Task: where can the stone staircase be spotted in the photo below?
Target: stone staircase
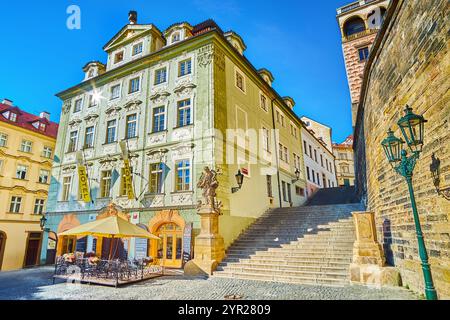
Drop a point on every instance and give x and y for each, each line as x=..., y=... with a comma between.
x=303, y=245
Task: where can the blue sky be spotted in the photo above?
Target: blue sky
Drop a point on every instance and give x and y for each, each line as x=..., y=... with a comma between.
x=299, y=41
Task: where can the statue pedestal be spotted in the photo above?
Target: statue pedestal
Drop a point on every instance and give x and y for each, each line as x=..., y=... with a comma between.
x=209, y=247
x=368, y=266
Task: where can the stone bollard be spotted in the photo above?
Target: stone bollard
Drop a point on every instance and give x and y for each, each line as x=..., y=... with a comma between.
x=368, y=265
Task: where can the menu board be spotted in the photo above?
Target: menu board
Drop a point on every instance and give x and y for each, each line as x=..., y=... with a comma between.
x=187, y=243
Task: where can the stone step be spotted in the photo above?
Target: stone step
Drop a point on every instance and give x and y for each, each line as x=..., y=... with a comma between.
x=277, y=267
x=331, y=262
x=292, y=273
x=287, y=254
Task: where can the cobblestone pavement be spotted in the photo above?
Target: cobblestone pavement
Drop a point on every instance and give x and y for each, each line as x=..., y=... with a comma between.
x=37, y=284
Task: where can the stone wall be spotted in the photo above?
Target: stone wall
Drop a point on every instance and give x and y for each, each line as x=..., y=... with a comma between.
x=410, y=65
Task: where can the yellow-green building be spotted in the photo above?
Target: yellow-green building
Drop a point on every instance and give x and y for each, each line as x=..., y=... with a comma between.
x=27, y=144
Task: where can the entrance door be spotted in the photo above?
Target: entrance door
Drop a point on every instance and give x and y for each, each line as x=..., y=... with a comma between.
x=51, y=248
x=2, y=247
x=170, y=247
x=33, y=248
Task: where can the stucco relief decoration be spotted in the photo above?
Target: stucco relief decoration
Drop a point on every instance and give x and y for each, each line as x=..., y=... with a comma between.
x=182, y=150
x=133, y=105
x=205, y=56
x=113, y=111
x=182, y=134
x=154, y=201
x=67, y=106
x=74, y=124
x=185, y=88
x=209, y=184
x=91, y=118
x=157, y=155
x=157, y=138
x=182, y=199
x=108, y=163
x=160, y=96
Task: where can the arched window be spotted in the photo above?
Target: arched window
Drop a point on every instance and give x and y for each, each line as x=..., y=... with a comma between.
x=353, y=26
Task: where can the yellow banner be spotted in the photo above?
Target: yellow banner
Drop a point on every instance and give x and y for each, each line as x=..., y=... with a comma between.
x=84, y=190
x=128, y=180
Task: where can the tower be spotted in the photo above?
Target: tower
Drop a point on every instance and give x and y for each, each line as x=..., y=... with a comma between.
x=359, y=23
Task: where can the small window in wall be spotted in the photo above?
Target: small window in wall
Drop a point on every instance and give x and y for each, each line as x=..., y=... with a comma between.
x=183, y=179
x=263, y=102
x=283, y=186
x=156, y=176
x=3, y=140
x=240, y=82
x=159, y=119
x=15, y=205
x=184, y=113
x=363, y=54
x=131, y=126
x=115, y=92
x=39, y=206
x=135, y=85
x=78, y=105
x=299, y=191
x=137, y=49
x=269, y=186
x=26, y=146
x=160, y=76
x=176, y=37
x=111, y=128
x=21, y=172
x=118, y=57
x=185, y=68
x=44, y=176
x=105, y=184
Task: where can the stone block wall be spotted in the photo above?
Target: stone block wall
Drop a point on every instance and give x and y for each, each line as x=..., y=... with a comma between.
x=410, y=66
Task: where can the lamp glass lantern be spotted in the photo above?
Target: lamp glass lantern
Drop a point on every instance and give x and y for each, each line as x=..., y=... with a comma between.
x=412, y=126
x=393, y=147
x=43, y=221
x=239, y=179
x=297, y=174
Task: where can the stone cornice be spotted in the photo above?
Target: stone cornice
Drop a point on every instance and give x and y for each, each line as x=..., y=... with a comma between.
x=25, y=158
x=25, y=190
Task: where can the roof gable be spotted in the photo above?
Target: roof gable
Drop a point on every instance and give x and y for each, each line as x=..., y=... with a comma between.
x=128, y=33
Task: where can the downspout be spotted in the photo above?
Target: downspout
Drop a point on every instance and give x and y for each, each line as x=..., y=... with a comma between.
x=276, y=153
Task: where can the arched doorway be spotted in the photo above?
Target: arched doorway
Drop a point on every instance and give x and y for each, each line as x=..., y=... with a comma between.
x=354, y=25
x=170, y=248
x=169, y=226
x=67, y=244
x=2, y=247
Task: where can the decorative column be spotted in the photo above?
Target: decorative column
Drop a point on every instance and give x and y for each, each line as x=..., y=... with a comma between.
x=209, y=248
x=368, y=266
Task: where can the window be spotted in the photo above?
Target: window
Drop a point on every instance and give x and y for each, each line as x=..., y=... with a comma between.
x=42, y=126
x=184, y=113
x=315, y=155
x=44, y=176
x=1, y=166
x=296, y=161
x=263, y=102
x=159, y=119
x=269, y=186
x=47, y=152
x=160, y=76
x=131, y=127
x=78, y=105
x=310, y=152
x=26, y=146
x=123, y=183
x=308, y=173
x=115, y=92
x=176, y=37
x=11, y=116
x=282, y=120
x=67, y=181
x=21, y=172
x=305, y=147
x=39, y=206
x=105, y=184
x=73, y=141
x=240, y=81
x=134, y=85
x=93, y=101
x=137, y=49
x=284, y=154
x=266, y=139
x=283, y=186
x=16, y=202
x=184, y=68
x=299, y=191
x=343, y=156
x=345, y=169
x=318, y=179
x=3, y=140
x=313, y=176
x=156, y=175
x=89, y=137
x=321, y=160
x=183, y=180
x=363, y=54
x=354, y=26
x=118, y=57
x=289, y=192
x=111, y=131
x=293, y=131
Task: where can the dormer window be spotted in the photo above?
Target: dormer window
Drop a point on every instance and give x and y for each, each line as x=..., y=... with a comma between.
x=118, y=57
x=137, y=49
x=42, y=126
x=11, y=116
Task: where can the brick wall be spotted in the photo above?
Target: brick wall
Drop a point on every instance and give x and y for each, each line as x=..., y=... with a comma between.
x=411, y=66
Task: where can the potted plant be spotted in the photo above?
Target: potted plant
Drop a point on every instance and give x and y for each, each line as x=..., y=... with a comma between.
x=69, y=257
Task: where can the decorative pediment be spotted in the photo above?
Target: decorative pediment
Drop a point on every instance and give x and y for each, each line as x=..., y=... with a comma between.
x=182, y=149
x=108, y=163
x=157, y=154
x=74, y=123
x=128, y=33
x=90, y=118
x=113, y=111
x=184, y=88
x=69, y=169
x=160, y=96
x=132, y=105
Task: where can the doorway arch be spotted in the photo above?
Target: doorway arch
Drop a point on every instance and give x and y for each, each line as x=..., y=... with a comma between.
x=169, y=226
x=2, y=247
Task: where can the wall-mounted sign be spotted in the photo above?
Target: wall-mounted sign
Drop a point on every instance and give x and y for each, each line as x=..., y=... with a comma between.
x=187, y=243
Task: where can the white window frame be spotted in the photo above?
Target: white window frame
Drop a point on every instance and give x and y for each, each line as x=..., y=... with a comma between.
x=3, y=140
x=183, y=169
x=244, y=80
x=139, y=79
x=103, y=180
x=21, y=172
x=115, y=55
x=16, y=202
x=140, y=43
x=189, y=59
x=75, y=145
x=26, y=146
x=159, y=114
x=39, y=206
x=115, y=131
x=136, y=128
x=45, y=152
x=46, y=174
x=93, y=137
x=65, y=197
x=111, y=96
x=155, y=73
x=75, y=110
x=266, y=107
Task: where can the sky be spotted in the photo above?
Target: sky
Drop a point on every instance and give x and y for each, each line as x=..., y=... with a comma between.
x=298, y=41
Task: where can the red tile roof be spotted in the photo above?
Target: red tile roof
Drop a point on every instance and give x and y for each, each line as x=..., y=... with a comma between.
x=25, y=120
x=346, y=144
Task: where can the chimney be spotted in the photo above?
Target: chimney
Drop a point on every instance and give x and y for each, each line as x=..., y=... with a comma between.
x=45, y=115
x=7, y=102
x=132, y=17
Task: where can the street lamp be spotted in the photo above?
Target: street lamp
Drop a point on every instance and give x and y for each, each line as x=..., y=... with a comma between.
x=240, y=181
x=412, y=127
x=297, y=175
x=43, y=221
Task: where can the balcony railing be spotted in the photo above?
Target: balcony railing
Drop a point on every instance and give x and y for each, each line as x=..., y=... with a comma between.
x=353, y=6
x=359, y=35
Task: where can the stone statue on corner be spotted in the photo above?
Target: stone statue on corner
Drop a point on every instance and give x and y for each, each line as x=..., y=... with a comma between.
x=208, y=183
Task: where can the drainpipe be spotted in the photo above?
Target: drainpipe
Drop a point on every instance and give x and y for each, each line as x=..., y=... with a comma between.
x=276, y=153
